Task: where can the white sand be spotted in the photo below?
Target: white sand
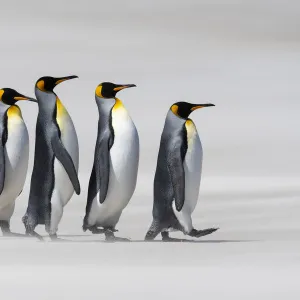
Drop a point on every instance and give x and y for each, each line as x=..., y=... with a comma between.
x=255, y=254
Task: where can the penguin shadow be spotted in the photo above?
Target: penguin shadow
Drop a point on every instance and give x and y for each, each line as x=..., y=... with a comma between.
x=195, y=241
x=70, y=238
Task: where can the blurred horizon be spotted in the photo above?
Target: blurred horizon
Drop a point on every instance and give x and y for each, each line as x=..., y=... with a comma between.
x=243, y=56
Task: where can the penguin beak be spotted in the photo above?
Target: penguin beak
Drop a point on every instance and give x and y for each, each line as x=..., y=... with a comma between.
x=201, y=106
x=22, y=97
x=62, y=79
x=120, y=87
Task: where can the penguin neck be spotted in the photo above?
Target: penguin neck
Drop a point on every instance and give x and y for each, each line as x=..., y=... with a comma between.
x=3, y=106
x=173, y=121
x=46, y=102
x=105, y=105
x=3, y=109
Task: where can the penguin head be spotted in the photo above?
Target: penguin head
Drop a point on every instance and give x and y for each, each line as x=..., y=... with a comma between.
x=10, y=97
x=48, y=83
x=109, y=90
x=184, y=109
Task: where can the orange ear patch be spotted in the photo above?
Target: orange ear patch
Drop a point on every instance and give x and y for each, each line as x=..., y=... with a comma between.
x=174, y=109
x=41, y=85
x=98, y=91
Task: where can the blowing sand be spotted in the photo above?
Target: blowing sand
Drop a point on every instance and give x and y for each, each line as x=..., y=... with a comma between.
x=254, y=254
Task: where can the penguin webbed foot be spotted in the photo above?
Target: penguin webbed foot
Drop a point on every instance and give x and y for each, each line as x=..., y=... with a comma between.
x=96, y=230
x=199, y=233
x=13, y=234
x=153, y=231
x=110, y=237
x=4, y=225
x=166, y=238
x=32, y=233
x=5, y=228
x=55, y=238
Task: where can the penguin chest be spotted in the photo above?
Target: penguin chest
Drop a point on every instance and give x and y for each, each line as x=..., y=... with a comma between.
x=16, y=152
x=192, y=167
x=69, y=139
x=124, y=158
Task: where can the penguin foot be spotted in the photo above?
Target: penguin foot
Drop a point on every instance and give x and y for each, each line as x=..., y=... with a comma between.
x=96, y=230
x=34, y=234
x=166, y=238
x=153, y=231
x=5, y=228
x=198, y=233
x=110, y=237
x=54, y=238
x=4, y=225
x=13, y=234
x=116, y=239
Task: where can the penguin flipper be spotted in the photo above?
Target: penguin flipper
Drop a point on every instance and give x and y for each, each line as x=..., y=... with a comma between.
x=176, y=171
x=3, y=140
x=102, y=167
x=2, y=167
x=64, y=157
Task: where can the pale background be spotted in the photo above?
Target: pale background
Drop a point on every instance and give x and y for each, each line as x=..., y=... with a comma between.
x=244, y=57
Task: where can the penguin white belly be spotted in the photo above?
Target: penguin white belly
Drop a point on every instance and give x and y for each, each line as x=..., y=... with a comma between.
x=16, y=162
x=192, y=169
x=124, y=159
x=63, y=185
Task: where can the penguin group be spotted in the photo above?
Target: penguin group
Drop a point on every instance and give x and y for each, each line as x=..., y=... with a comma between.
x=114, y=173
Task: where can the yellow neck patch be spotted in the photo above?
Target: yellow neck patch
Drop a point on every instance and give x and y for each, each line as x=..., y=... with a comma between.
x=41, y=85
x=98, y=91
x=189, y=123
x=191, y=131
x=60, y=112
x=118, y=105
x=14, y=111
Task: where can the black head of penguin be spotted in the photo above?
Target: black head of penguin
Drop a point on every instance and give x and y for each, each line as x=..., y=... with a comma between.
x=10, y=96
x=184, y=109
x=109, y=90
x=48, y=83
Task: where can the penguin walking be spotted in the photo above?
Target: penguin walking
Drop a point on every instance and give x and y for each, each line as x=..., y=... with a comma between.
x=113, y=177
x=54, y=177
x=14, y=152
x=178, y=174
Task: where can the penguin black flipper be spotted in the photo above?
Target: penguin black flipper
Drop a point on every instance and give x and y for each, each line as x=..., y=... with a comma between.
x=99, y=179
x=2, y=167
x=102, y=167
x=64, y=157
x=175, y=160
x=3, y=135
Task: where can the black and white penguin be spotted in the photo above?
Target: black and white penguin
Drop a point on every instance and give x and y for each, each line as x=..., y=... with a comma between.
x=114, y=173
x=178, y=174
x=54, y=177
x=14, y=152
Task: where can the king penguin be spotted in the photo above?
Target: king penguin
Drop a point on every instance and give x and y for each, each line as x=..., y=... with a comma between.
x=178, y=174
x=54, y=176
x=116, y=159
x=14, y=151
